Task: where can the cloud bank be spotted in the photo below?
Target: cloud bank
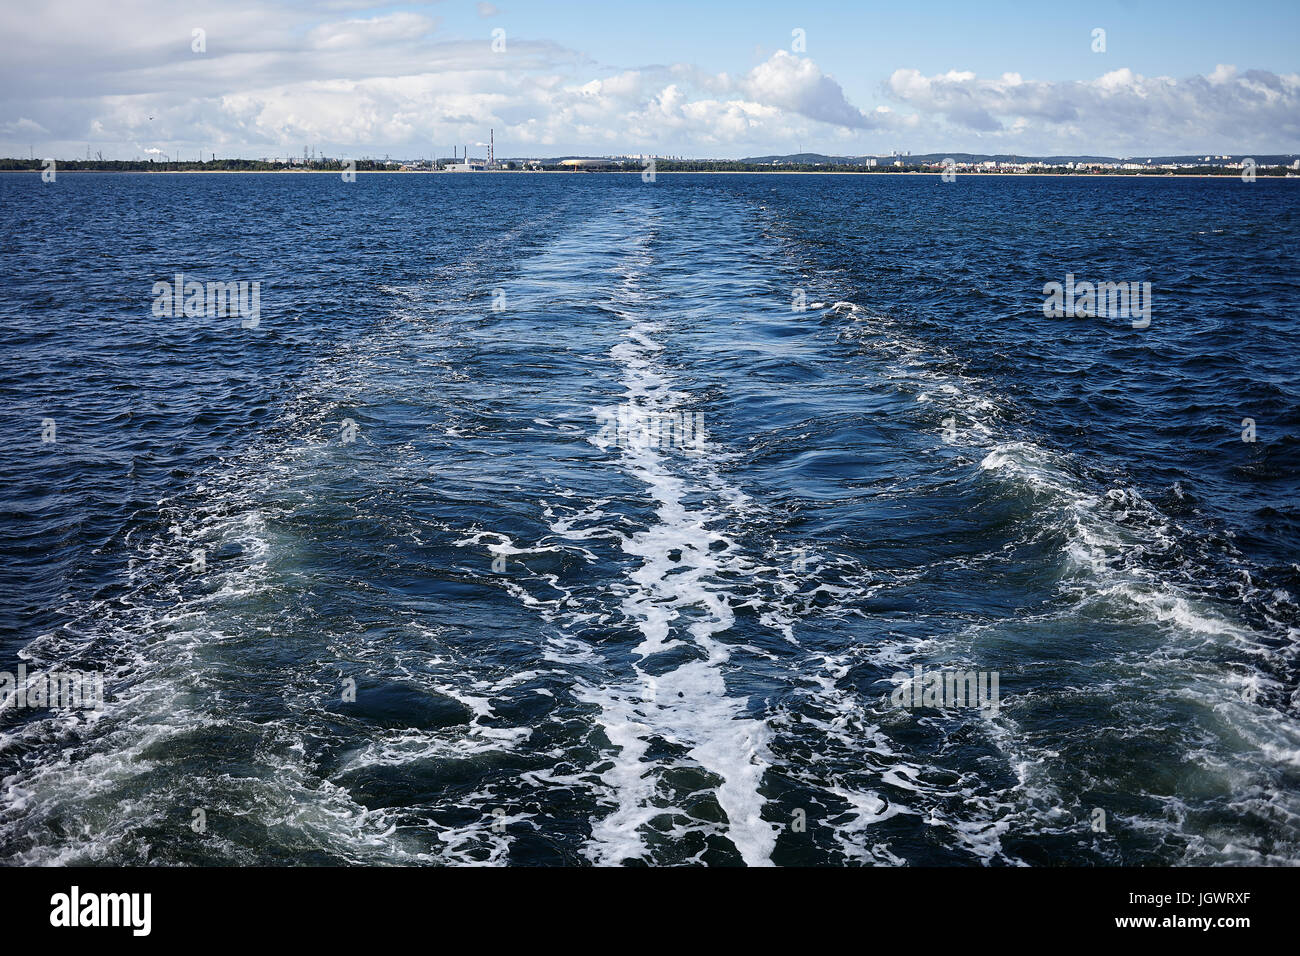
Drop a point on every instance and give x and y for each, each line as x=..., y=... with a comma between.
x=271, y=80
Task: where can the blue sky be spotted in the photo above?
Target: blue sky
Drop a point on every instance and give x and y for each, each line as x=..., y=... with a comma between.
x=669, y=77
x=858, y=41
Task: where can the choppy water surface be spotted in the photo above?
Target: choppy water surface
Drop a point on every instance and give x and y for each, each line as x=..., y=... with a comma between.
x=569, y=648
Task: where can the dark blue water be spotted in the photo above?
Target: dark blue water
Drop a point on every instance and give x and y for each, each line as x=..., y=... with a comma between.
x=572, y=649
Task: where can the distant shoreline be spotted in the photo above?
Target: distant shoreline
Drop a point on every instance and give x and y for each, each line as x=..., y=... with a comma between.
x=632, y=172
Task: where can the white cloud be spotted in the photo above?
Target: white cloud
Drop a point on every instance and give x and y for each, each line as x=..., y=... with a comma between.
x=1118, y=111
x=377, y=31
x=632, y=110
x=275, y=77
x=795, y=84
x=23, y=127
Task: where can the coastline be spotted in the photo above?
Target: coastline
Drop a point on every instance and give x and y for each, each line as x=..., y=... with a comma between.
x=632, y=172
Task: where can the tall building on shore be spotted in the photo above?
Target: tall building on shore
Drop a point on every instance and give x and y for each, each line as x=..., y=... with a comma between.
x=466, y=165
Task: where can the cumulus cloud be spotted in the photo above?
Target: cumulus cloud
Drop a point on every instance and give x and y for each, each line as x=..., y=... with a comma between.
x=372, y=78
x=461, y=92
x=1121, y=109
x=797, y=85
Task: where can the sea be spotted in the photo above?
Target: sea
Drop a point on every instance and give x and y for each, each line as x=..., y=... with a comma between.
x=609, y=519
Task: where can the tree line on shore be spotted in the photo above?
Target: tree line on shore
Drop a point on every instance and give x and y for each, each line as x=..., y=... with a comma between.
x=661, y=165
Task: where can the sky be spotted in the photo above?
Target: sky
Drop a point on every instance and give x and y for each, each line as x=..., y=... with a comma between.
x=707, y=78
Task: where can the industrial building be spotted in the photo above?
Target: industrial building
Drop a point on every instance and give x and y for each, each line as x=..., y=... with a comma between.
x=466, y=165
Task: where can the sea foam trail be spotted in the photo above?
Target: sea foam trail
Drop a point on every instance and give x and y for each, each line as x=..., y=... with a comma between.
x=1189, y=653
x=176, y=655
x=675, y=577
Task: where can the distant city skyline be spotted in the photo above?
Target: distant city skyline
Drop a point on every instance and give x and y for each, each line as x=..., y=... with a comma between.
x=721, y=81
